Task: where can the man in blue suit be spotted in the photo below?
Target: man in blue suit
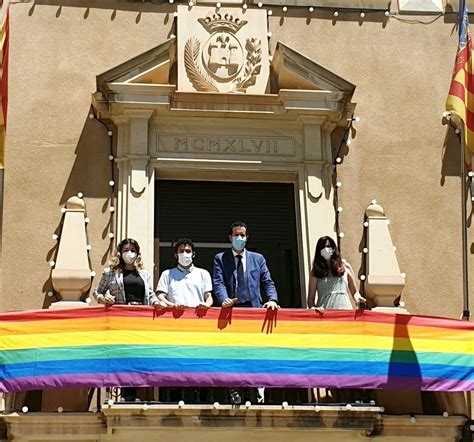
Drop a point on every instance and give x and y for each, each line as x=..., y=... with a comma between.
x=241, y=278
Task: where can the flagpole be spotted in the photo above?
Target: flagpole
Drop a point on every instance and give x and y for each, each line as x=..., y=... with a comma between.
x=465, y=309
x=465, y=312
x=462, y=127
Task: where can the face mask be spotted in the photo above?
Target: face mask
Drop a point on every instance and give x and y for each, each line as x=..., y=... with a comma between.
x=327, y=252
x=129, y=257
x=238, y=242
x=185, y=258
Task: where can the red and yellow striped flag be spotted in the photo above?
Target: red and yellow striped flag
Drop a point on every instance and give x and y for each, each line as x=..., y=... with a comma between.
x=4, y=36
x=461, y=94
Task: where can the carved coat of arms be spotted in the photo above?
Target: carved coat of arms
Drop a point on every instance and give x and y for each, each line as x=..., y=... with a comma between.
x=222, y=63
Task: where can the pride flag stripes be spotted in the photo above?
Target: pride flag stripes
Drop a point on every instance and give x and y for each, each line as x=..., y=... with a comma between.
x=133, y=346
x=461, y=94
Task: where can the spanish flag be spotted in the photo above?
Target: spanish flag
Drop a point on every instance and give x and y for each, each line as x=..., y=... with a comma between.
x=461, y=94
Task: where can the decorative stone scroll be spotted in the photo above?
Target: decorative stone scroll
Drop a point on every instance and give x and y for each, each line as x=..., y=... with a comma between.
x=222, y=50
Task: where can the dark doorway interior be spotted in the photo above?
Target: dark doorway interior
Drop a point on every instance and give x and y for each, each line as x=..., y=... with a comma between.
x=204, y=210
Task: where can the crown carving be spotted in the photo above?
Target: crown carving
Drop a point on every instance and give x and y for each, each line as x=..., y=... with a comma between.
x=222, y=21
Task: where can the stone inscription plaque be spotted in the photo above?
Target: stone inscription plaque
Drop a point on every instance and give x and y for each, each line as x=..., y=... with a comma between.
x=278, y=146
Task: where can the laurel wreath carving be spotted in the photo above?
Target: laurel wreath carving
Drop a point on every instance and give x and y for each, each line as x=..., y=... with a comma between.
x=252, y=66
x=203, y=82
x=199, y=80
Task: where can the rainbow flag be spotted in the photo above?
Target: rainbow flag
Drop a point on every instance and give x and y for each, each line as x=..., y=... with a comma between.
x=461, y=93
x=133, y=346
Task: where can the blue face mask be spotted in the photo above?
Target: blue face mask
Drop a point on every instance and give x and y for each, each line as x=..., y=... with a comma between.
x=238, y=242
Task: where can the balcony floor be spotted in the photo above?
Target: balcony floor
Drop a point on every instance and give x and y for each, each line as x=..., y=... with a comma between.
x=216, y=423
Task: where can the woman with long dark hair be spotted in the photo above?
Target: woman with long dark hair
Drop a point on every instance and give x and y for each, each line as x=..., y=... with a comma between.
x=332, y=278
x=126, y=281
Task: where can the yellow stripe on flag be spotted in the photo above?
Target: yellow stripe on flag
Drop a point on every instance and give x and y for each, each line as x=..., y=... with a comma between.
x=131, y=337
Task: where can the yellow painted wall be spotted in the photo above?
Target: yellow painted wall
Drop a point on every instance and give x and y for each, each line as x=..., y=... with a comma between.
x=402, y=72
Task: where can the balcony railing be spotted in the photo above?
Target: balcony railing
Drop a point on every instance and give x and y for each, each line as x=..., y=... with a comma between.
x=246, y=348
x=189, y=369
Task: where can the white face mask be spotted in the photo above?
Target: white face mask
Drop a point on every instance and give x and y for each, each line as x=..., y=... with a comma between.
x=129, y=257
x=327, y=252
x=185, y=258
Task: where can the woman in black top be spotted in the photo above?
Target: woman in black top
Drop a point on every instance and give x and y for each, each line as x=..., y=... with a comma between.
x=126, y=281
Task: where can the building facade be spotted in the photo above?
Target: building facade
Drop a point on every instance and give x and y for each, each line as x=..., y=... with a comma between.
x=175, y=120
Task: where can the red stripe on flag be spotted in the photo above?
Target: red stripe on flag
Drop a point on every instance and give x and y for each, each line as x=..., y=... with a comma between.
x=470, y=83
x=470, y=120
x=457, y=90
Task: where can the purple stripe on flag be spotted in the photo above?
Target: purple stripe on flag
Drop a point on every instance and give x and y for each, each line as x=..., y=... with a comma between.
x=232, y=380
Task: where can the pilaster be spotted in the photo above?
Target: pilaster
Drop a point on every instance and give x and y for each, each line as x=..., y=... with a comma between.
x=320, y=214
x=135, y=199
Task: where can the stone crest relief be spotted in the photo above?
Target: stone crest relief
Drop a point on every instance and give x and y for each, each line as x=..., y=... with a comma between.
x=222, y=51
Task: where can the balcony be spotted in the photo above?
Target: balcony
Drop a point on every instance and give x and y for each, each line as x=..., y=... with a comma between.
x=76, y=356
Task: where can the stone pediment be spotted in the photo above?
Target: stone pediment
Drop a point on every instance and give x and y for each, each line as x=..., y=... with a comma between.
x=152, y=67
x=292, y=70
x=221, y=52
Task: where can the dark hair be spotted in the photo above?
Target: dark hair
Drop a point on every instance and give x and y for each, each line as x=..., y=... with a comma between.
x=117, y=261
x=181, y=242
x=320, y=265
x=238, y=224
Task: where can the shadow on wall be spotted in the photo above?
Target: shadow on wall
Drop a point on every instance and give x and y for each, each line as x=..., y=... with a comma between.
x=347, y=15
x=90, y=175
x=121, y=5
x=404, y=371
x=451, y=166
x=91, y=171
x=370, y=304
x=140, y=8
x=451, y=156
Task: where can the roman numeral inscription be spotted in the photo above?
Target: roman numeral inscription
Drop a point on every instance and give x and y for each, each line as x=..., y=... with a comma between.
x=226, y=145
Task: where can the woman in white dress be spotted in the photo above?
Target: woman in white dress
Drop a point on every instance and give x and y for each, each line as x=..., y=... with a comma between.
x=332, y=279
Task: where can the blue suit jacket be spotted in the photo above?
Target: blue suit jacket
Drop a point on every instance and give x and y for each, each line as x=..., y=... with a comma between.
x=258, y=278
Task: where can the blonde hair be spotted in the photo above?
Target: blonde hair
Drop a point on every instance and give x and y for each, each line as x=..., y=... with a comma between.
x=117, y=263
